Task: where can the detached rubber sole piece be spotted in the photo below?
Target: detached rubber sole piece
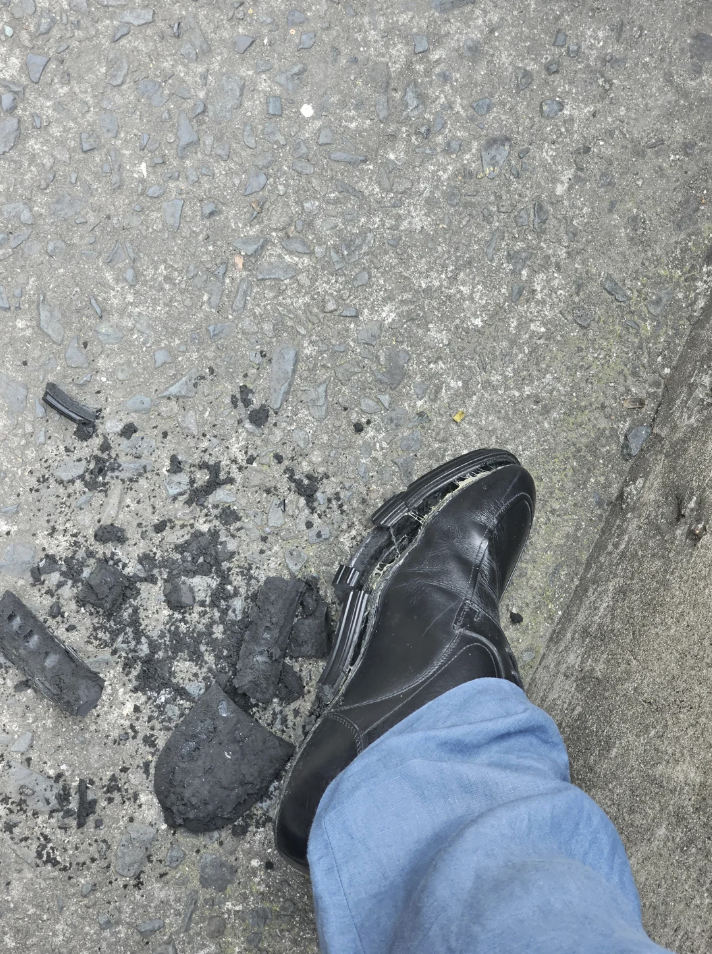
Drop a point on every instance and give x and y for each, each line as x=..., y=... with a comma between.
x=397, y=523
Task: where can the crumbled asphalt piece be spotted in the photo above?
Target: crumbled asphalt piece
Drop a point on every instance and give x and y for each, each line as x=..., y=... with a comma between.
x=220, y=744
x=9, y=134
x=284, y=364
x=174, y=856
x=265, y=641
x=290, y=686
x=53, y=669
x=246, y=396
x=482, y=106
x=243, y=43
x=617, y=291
x=105, y=588
x=216, y=874
x=551, y=107
x=178, y=594
x=256, y=183
x=494, y=152
x=85, y=806
x=35, y=66
x=522, y=78
x=634, y=439
x=249, y=246
x=310, y=635
x=133, y=849
x=108, y=533
x=128, y=430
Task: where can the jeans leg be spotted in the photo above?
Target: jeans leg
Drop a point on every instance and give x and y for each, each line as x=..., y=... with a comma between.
x=459, y=832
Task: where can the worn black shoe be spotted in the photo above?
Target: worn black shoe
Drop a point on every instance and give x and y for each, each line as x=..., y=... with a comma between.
x=420, y=616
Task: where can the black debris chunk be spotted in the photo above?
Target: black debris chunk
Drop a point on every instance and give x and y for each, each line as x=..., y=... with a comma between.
x=84, y=432
x=179, y=594
x=110, y=533
x=55, y=398
x=310, y=633
x=290, y=686
x=265, y=642
x=105, y=587
x=128, y=430
x=515, y=618
x=200, y=494
x=217, y=763
x=54, y=669
x=246, y=396
x=85, y=806
x=259, y=416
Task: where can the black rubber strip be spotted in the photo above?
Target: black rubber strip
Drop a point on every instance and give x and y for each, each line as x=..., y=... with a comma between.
x=54, y=669
x=55, y=398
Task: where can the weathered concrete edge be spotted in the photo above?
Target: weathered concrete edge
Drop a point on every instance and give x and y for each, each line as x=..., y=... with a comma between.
x=548, y=687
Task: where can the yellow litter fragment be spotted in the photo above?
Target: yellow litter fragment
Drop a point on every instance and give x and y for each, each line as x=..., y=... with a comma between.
x=458, y=416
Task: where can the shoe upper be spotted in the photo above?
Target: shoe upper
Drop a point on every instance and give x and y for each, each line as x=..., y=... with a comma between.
x=433, y=624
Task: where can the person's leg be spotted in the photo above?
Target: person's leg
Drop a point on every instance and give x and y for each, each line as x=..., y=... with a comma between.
x=458, y=831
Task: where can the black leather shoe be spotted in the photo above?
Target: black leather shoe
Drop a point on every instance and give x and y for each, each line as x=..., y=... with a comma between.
x=421, y=616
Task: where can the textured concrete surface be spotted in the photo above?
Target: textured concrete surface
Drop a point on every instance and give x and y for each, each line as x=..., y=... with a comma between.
x=627, y=672
x=298, y=258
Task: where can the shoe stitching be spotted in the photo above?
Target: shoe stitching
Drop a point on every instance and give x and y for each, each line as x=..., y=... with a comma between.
x=484, y=643
x=351, y=726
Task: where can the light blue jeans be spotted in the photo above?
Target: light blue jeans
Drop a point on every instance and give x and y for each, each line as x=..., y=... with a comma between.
x=459, y=832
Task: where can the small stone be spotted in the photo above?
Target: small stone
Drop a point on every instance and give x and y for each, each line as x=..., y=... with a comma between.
x=350, y=157
x=133, y=848
x=316, y=401
x=573, y=50
x=582, y=317
x=174, y=856
x=121, y=31
x=325, y=137
x=172, y=211
x=370, y=333
x=284, y=363
x=522, y=78
x=208, y=210
x=35, y=66
x=88, y=142
x=303, y=167
x=516, y=291
x=495, y=152
x=216, y=926
x=227, y=97
x=290, y=79
x=412, y=100
x=255, y=183
x=161, y=357
x=187, y=136
x=482, y=106
x=420, y=43
x=14, y=393
x=178, y=594
x=393, y=373
x=552, y=67
x=147, y=928
x=87, y=888
x=296, y=245
x=361, y=278
x=541, y=216
x=75, y=356
x=243, y=43
x=634, y=440
x=8, y=101
x=249, y=246
x=275, y=271
x=9, y=134
x=657, y=304
x=495, y=239
x=109, y=125
x=137, y=17
x=617, y=291
x=139, y=404
x=215, y=873
x=117, y=68
x=551, y=108
x=560, y=38
x=307, y=40
x=274, y=105
x=23, y=743
x=185, y=387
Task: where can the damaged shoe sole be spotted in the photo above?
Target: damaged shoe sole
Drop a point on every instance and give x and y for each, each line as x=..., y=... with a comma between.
x=397, y=523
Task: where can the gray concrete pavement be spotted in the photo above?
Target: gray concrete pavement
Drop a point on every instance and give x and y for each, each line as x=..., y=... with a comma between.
x=626, y=673
x=464, y=208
